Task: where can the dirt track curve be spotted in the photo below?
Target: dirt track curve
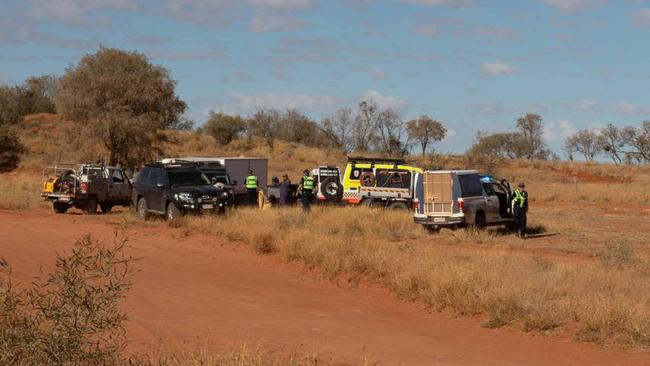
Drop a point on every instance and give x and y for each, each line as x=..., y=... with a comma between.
x=199, y=290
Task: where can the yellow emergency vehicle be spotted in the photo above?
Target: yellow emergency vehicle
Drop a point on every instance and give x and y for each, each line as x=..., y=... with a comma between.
x=379, y=182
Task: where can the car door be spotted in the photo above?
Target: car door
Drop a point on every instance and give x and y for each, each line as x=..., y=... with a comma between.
x=118, y=186
x=491, y=203
x=473, y=196
x=155, y=189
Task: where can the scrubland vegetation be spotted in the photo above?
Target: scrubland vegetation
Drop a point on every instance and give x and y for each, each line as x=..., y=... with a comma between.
x=585, y=271
x=605, y=297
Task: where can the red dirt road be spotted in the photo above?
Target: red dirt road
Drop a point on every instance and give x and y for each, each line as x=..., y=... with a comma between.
x=199, y=290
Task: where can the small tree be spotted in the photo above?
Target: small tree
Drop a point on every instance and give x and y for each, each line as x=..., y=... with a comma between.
x=611, y=142
x=224, y=128
x=10, y=149
x=295, y=126
x=265, y=123
x=531, y=145
x=364, y=128
x=638, y=139
x=338, y=129
x=425, y=130
x=584, y=142
x=33, y=96
x=123, y=98
x=390, y=128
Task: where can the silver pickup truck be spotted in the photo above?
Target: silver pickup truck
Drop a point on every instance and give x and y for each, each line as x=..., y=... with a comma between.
x=458, y=198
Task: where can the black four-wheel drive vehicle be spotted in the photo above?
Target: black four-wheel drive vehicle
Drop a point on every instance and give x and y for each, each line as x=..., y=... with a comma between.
x=176, y=189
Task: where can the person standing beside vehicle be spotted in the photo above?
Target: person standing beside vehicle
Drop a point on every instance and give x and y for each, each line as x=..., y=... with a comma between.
x=307, y=189
x=520, y=209
x=284, y=190
x=251, y=188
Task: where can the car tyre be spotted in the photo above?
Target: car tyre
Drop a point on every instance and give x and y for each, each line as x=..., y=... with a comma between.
x=331, y=189
x=172, y=212
x=142, y=208
x=479, y=221
x=105, y=208
x=60, y=207
x=90, y=207
x=433, y=229
x=398, y=205
x=367, y=179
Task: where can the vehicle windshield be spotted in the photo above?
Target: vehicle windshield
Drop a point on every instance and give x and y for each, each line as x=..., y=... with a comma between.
x=221, y=178
x=188, y=178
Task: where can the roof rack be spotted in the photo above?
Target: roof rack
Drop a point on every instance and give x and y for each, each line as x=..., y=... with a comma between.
x=361, y=159
x=171, y=163
x=372, y=161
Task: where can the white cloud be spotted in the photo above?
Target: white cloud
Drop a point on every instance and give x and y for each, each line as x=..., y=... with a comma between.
x=587, y=105
x=642, y=17
x=247, y=103
x=209, y=13
x=383, y=101
x=282, y=3
x=631, y=109
x=374, y=72
x=276, y=23
x=428, y=30
x=211, y=53
x=451, y=3
x=558, y=130
x=75, y=11
x=571, y=6
x=497, y=68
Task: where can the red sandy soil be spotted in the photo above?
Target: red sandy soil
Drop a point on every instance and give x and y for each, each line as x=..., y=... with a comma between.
x=195, y=291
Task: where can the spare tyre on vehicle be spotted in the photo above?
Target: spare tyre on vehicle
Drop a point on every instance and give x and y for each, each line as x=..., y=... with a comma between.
x=367, y=179
x=331, y=189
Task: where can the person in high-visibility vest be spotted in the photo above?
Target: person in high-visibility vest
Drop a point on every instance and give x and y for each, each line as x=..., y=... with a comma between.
x=251, y=188
x=519, y=209
x=307, y=188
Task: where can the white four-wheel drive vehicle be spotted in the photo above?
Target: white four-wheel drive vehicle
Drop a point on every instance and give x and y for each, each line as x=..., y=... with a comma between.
x=456, y=198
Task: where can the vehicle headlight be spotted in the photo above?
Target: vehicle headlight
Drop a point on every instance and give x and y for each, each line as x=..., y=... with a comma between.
x=183, y=196
x=224, y=194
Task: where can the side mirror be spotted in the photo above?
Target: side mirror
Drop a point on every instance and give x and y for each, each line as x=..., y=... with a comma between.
x=160, y=185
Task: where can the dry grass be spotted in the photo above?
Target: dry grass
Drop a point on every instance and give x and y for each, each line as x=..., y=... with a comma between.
x=590, y=273
x=246, y=355
x=606, y=300
x=20, y=190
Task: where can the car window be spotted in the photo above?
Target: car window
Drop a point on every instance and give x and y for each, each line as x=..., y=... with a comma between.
x=488, y=189
x=470, y=185
x=498, y=188
x=393, y=178
x=116, y=176
x=154, y=177
x=356, y=173
x=188, y=178
x=142, y=176
x=220, y=177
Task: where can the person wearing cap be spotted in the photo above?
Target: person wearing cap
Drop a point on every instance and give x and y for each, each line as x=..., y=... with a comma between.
x=519, y=209
x=284, y=190
x=307, y=190
x=251, y=187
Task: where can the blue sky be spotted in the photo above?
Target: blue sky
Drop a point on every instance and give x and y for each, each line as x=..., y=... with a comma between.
x=474, y=65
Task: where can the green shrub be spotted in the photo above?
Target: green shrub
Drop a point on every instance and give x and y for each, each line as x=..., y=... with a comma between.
x=10, y=149
x=70, y=316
